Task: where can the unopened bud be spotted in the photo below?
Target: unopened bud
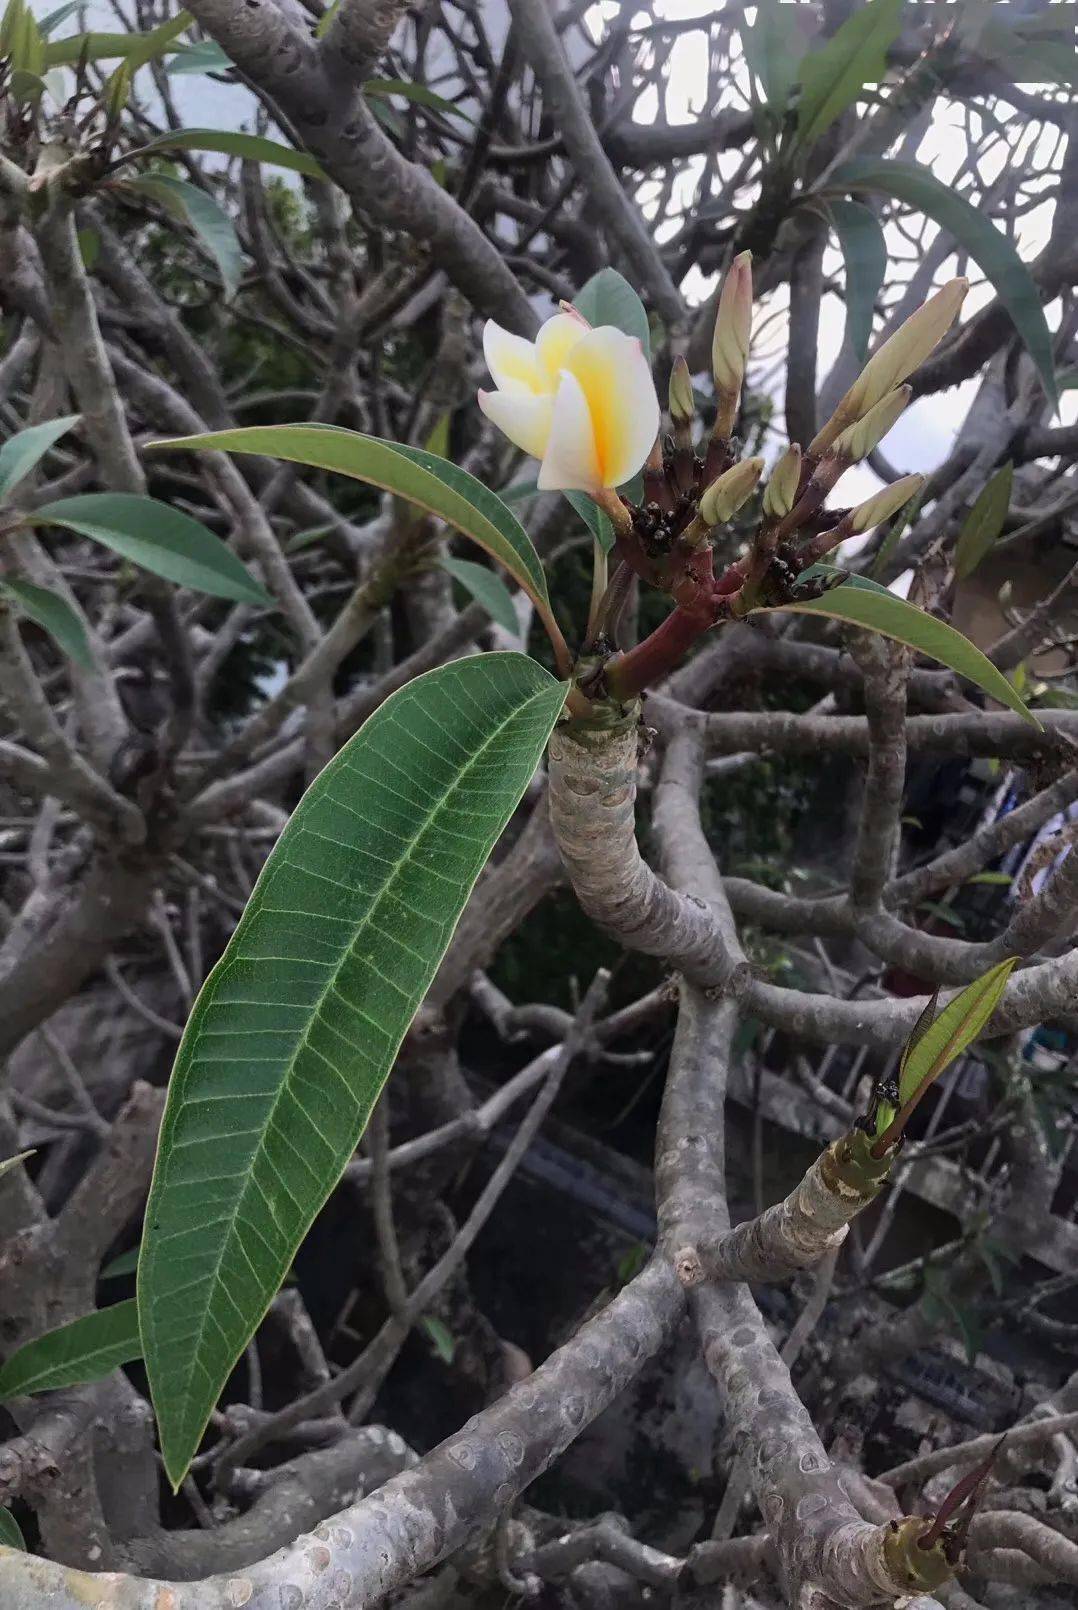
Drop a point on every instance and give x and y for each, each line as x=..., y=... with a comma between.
x=876, y=509
x=725, y=496
x=682, y=401
x=860, y=438
x=899, y=356
x=730, y=344
x=780, y=492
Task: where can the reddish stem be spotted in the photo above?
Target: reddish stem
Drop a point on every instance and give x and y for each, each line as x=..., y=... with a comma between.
x=657, y=655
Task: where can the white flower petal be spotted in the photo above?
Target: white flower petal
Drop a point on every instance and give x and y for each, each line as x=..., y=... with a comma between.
x=513, y=362
x=523, y=418
x=556, y=340
x=615, y=377
x=570, y=463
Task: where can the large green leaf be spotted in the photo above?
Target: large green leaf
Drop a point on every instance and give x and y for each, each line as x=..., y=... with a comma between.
x=409, y=472
x=206, y=217
x=882, y=611
x=907, y=181
x=488, y=589
x=10, y=1533
x=54, y=615
x=84, y=1350
x=298, y=1025
x=865, y=253
x=984, y=522
x=159, y=538
x=774, y=47
x=608, y=298
x=27, y=447
x=251, y=147
x=833, y=77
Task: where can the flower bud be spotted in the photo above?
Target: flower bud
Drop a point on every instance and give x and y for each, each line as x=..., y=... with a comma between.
x=860, y=438
x=899, y=356
x=876, y=509
x=682, y=401
x=730, y=344
x=725, y=496
x=780, y=493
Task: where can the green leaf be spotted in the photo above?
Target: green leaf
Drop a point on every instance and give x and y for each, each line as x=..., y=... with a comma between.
x=774, y=47
x=139, y=47
x=84, y=1350
x=297, y=1027
x=984, y=522
x=441, y=1337
x=125, y=1264
x=901, y=524
x=410, y=472
x=996, y=879
x=956, y=1028
x=487, y=589
x=89, y=245
x=8, y=1163
x=864, y=251
x=207, y=56
x=229, y=142
x=325, y=20
x=206, y=217
x=54, y=615
x=313, y=534
x=833, y=77
x=10, y=1534
x=597, y=522
x=159, y=538
x=28, y=447
x=50, y=23
x=519, y=492
x=906, y=181
x=419, y=94
x=608, y=298
x=881, y=611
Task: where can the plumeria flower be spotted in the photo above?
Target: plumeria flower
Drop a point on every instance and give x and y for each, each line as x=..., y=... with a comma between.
x=580, y=400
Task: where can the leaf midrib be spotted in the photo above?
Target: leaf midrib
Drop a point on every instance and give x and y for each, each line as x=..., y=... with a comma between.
x=215, y=1277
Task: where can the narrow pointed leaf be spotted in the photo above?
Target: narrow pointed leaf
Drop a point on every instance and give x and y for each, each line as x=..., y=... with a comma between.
x=297, y=1027
x=864, y=251
x=54, y=615
x=158, y=537
x=487, y=589
x=596, y=520
x=410, y=472
x=207, y=56
x=52, y=21
x=418, y=94
x=608, y=298
x=10, y=1533
x=106, y=46
x=228, y=142
x=8, y=1163
x=206, y=217
x=884, y=612
x=907, y=181
x=85, y=1350
x=984, y=522
x=833, y=77
x=954, y=1030
x=28, y=447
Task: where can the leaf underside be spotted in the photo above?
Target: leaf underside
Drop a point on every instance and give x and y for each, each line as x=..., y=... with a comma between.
x=296, y=1029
